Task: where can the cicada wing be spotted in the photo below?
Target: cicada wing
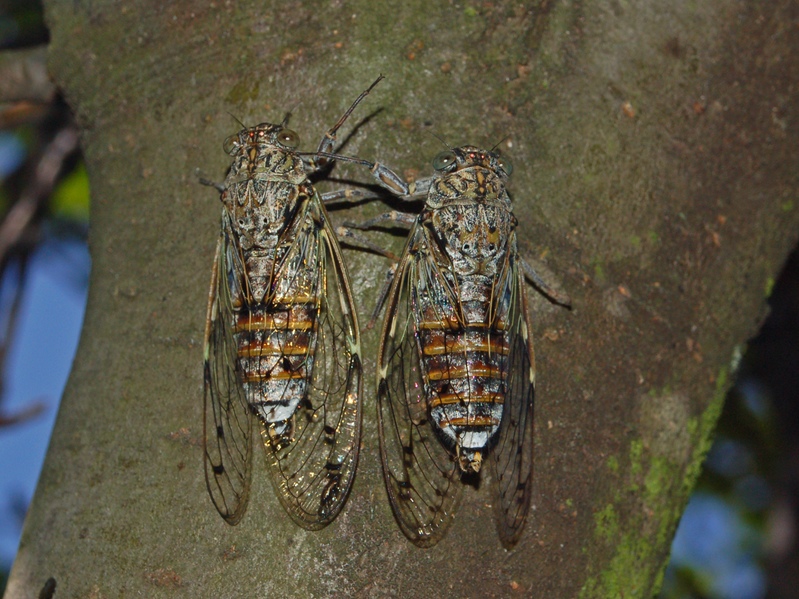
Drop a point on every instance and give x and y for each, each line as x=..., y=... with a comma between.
x=228, y=420
x=512, y=458
x=422, y=477
x=313, y=472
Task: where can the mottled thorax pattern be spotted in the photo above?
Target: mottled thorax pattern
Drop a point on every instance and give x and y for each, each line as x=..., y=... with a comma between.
x=262, y=188
x=263, y=191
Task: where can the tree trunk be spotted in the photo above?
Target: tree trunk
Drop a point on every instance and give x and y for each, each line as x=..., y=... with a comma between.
x=655, y=154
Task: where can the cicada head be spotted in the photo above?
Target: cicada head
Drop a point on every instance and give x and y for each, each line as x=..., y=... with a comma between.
x=266, y=134
x=451, y=161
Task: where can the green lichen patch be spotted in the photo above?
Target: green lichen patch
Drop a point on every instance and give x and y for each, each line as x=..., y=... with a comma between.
x=637, y=522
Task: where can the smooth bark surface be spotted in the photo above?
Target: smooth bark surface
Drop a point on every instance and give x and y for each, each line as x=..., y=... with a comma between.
x=655, y=154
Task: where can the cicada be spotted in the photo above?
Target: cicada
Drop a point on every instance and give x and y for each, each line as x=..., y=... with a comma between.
x=456, y=367
x=282, y=347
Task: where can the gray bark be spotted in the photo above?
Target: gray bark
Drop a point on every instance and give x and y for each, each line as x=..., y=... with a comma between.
x=655, y=154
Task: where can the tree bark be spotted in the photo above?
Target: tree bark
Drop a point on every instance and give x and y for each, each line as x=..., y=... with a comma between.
x=655, y=154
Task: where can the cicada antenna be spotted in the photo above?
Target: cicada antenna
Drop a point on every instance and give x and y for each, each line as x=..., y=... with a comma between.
x=496, y=145
x=445, y=144
x=286, y=118
x=235, y=118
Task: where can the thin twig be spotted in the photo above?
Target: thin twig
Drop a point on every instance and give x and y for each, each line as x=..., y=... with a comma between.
x=22, y=212
x=24, y=76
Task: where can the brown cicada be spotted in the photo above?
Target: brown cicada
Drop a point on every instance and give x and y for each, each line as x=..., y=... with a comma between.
x=282, y=348
x=456, y=368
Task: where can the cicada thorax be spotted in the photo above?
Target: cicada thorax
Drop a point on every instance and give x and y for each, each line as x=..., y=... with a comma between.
x=263, y=192
x=462, y=329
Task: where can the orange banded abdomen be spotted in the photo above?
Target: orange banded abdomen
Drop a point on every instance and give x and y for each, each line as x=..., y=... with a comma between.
x=276, y=357
x=465, y=373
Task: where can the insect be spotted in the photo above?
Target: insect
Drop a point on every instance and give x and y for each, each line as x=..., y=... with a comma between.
x=456, y=367
x=282, y=347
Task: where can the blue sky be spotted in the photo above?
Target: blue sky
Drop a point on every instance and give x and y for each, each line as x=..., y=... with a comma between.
x=37, y=367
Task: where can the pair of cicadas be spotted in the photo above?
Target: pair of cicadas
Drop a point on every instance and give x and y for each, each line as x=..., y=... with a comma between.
x=456, y=368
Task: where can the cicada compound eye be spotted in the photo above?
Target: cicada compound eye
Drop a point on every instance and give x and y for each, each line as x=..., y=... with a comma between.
x=505, y=164
x=230, y=144
x=288, y=138
x=445, y=161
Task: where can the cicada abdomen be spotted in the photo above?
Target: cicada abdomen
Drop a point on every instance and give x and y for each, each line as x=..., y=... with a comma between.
x=456, y=368
x=282, y=346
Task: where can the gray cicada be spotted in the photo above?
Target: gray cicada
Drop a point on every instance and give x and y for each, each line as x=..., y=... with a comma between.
x=282, y=348
x=456, y=368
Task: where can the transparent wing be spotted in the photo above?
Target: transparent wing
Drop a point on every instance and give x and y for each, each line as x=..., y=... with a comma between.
x=511, y=460
x=228, y=420
x=421, y=475
x=313, y=473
